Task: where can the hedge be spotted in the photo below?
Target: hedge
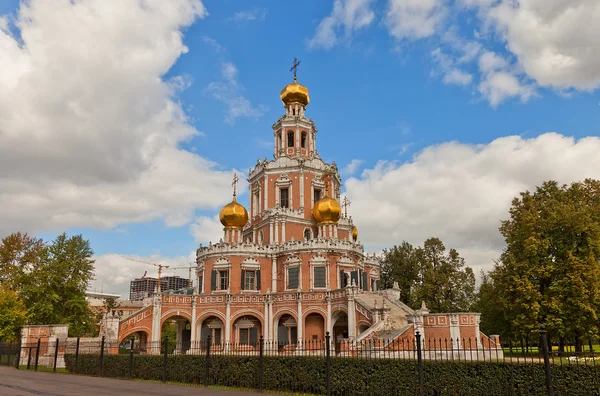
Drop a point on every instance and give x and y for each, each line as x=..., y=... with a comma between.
x=351, y=376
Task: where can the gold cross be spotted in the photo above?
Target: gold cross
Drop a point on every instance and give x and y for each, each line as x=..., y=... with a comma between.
x=294, y=67
x=234, y=183
x=345, y=203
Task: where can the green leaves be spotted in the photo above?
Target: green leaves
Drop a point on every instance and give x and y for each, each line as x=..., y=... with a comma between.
x=13, y=315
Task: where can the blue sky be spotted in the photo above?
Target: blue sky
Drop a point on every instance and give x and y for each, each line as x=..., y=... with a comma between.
x=392, y=84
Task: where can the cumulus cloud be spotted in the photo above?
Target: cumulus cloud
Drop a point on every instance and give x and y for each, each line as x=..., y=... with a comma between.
x=206, y=229
x=499, y=81
x=90, y=131
x=461, y=192
x=227, y=90
x=347, y=17
x=555, y=41
x=352, y=167
x=414, y=19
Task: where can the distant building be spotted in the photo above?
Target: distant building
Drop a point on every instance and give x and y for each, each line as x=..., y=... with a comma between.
x=145, y=287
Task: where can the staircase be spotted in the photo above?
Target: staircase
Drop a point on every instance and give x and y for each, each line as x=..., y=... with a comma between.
x=390, y=313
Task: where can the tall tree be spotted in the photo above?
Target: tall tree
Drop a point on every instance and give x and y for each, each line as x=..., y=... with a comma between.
x=401, y=264
x=19, y=255
x=550, y=270
x=13, y=314
x=445, y=283
x=487, y=302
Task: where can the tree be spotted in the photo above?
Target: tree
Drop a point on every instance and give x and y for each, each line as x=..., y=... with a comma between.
x=19, y=255
x=487, y=302
x=13, y=315
x=400, y=264
x=444, y=282
x=550, y=271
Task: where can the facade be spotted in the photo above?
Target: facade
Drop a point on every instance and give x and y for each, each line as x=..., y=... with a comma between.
x=289, y=268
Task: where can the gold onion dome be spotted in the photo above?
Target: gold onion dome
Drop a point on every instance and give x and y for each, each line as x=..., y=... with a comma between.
x=354, y=233
x=233, y=215
x=295, y=93
x=327, y=211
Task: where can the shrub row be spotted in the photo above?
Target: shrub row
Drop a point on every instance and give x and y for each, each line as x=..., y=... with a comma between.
x=351, y=376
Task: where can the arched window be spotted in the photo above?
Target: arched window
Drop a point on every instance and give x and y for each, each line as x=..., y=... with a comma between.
x=290, y=139
x=303, y=140
x=307, y=233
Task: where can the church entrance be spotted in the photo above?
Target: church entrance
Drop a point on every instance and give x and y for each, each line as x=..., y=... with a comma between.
x=287, y=333
x=340, y=331
x=213, y=327
x=179, y=332
x=247, y=330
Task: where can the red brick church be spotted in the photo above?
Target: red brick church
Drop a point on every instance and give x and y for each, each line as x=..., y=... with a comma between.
x=290, y=268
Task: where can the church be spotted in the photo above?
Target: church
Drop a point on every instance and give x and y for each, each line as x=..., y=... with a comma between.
x=290, y=267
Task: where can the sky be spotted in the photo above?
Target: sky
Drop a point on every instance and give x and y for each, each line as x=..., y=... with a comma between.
x=124, y=121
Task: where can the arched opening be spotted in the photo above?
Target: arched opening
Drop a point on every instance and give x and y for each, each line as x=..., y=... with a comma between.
x=314, y=331
x=246, y=332
x=137, y=341
x=340, y=331
x=213, y=327
x=303, y=140
x=362, y=328
x=179, y=333
x=287, y=333
x=290, y=136
x=307, y=233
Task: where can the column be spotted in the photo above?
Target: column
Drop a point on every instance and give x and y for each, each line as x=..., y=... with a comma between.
x=266, y=197
x=454, y=331
x=193, y=333
x=156, y=313
x=179, y=326
x=227, y=324
x=276, y=232
x=283, y=231
x=274, y=274
x=297, y=137
x=329, y=327
x=276, y=145
x=300, y=321
x=301, y=188
x=271, y=325
x=335, y=231
x=271, y=233
x=351, y=315
x=266, y=329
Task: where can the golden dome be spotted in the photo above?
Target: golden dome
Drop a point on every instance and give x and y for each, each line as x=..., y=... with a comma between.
x=354, y=233
x=327, y=211
x=233, y=215
x=294, y=93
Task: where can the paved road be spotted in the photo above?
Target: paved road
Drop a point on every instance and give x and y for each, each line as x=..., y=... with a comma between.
x=26, y=383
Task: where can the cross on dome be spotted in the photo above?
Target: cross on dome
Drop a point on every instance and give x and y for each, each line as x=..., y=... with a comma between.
x=345, y=203
x=234, y=182
x=294, y=67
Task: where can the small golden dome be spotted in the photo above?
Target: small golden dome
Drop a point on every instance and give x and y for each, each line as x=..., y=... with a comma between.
x=295, y=93
x=233, y=215
x=354, y=233
x=327, y=211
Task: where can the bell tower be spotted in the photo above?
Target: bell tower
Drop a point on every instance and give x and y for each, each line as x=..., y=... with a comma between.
x=294, y=134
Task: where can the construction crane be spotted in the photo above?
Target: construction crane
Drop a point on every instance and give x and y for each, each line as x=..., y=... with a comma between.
x=160, y=268
x=189, y=274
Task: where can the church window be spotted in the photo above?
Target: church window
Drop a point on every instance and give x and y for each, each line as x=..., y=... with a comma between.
x=307, y=233
x=290, y=139
x=250, y=280
x=303, y=140
x=200, y=284
x=319, y=277
x=293, y=274
x=223, y=280
x=317, y=195
x=283, y=198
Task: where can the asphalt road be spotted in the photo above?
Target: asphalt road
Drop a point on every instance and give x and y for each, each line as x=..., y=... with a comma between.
x=26, y=383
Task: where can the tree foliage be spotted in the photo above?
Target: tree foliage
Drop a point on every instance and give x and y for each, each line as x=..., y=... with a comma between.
x=50, y=278
x=487, y=302
x=13, y=315
x=430, y=274
x=550, y=271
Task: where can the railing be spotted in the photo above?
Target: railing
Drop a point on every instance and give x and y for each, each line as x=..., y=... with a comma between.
x=478, y=365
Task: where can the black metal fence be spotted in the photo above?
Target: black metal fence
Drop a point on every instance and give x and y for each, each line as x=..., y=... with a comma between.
x=313, y=365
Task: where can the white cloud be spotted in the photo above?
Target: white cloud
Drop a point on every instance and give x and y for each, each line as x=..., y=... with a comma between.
x=457, y=77
x=114, y=272
x=213, y=43
x=352, y=167
x=499, y=86
x=461, y=192
x=414, y=19
x=347, y=16
x=207, y=229
x=555, y=41
x=491, y=62
x=251, y=15
x=90, y=133
x=227, y=90
x=447, y=67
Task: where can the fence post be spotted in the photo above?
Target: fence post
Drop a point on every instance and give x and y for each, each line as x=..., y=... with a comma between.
x=328, y=363
x=18, y=359
x=420, y=364
x=131, y=358
x=37, y=354
x=29, y=358
x=207, y=368
x=101, y=355
x=56, y=354
x=77, y=356
x=165, y=359
x=261, y=351
x=544, y=341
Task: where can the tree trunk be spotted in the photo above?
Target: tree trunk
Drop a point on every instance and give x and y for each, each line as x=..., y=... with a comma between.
x=561, y=344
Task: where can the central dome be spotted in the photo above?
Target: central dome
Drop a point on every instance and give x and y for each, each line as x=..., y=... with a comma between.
x=295, y=93
x=233, y=215
x=327, y=211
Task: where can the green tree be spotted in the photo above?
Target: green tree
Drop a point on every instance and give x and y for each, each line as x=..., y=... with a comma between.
x=19, y=255
x=401, y=264
x=13, y=315
x=550, y=271
x=444, y=282
x=487, y=302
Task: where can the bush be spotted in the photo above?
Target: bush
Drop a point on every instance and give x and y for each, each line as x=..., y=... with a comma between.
x=350, y=376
